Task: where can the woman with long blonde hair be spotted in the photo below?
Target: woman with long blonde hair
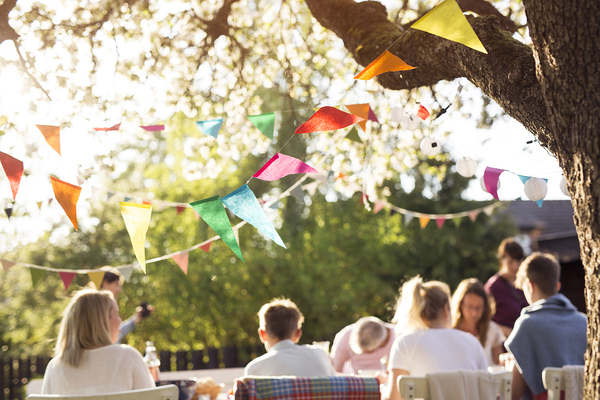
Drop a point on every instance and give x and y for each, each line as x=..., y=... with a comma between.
x=428, y=343
x=472, y=312
x=85, y=359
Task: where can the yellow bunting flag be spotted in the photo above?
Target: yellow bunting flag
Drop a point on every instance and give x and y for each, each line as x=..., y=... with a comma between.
x=137, y=220
x=424, y=221
x=97, y=277
x=360, y=110
x=386, y=62
x=52, y=135
x=67, y=196
x=447, y=20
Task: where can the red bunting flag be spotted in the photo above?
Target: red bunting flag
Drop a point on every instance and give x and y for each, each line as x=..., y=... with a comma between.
x=14, y=171
x=206, y=247
x=440, y=222
x=179, y=209
x=327, y=119
x=182, y=260
x=423, y=113
x=111, y=128
x=67, y=278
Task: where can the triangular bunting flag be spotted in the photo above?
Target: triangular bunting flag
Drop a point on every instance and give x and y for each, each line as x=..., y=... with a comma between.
x=298, y=193
x=423, y=113
x=378, y=206
x=264, y=123
x=206, y=247
x=182, y=260
x=327, y=119
x=372, y=116
x=52, y=135
x=153, y=128
x=8, y=212
x=424, y=221
x=36, y=275
x=473, y=215
x=210, y=127
x=7, y=264
x=490, y=178
x=39, y=204
x=360, y=110
x=179, y=209
x=213, y=213
x=112, y=128
x=539, y=203
x=524, y=179
x=97, y=277
x=137, y=220
x=67, y=278
x=146, y=202
x=386, y=62
x=281, y=165
x=440, y=222
x=353, y=135
x=243, y=203
x=13, y=169
x=489, y=211
x=311, y=188
x=457, y=221
x=126, y=272
x=447, y=20
x=408, y=219
x=67, y=196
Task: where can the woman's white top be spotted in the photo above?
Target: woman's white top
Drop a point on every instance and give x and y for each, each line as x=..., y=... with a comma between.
x=495, y=337
x=425, y=351
x=108, y=369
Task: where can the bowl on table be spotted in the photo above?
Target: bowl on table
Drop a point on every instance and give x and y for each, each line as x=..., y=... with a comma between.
x=187, y=387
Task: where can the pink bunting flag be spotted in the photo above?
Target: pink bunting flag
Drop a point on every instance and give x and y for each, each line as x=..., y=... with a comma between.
x=490, y=178
x=111, y=128
x=6, y=264
x=153, y=128
x=14, y=171
x=327, y=119
x=473, y=215
x=440, y=222
x=206, y=247
x=379, y=205
x=281, y=165
x=182, y=260
x=67, y=278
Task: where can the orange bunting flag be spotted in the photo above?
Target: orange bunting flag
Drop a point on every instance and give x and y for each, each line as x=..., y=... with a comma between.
x=112, y=128
x=424, y=221
x=423, y=113
x=360, y=110
x=447, y=20
x=386, y=62
x=327, y=119
x=97, y=277
x=67, y=278
x=206, y=247
x=182, y=260
x=67, y=196
x=52, y=135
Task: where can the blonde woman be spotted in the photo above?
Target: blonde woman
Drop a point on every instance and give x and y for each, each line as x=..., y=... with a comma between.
x=472, y=312
x=428, y=343
x=85, y=359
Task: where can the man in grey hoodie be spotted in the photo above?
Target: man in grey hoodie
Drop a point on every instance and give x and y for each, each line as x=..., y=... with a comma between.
x=549, y=333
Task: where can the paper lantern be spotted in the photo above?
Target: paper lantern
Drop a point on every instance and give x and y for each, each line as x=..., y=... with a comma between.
x=482, y=184
x=466, y=167
x=563, y=186
x=536, y=189
x=397, y=114
x=430, y=146
x=411, y=122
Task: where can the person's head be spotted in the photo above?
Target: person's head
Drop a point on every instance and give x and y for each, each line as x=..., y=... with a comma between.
x=90, y=320
x=368, y=334
x=112, y=281
x=510, y=254
x=423, y=305
x=539, y=276
x=472, y=305
x=280, y=320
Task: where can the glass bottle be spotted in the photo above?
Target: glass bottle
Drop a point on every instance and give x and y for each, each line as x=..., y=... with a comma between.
x=151, y=360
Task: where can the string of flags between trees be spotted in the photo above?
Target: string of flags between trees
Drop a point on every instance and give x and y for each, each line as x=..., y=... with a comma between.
x=445, y=20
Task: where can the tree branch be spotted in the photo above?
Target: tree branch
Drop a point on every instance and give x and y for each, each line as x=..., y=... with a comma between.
x=506, y=74
x=6, y=31
x=26, y=70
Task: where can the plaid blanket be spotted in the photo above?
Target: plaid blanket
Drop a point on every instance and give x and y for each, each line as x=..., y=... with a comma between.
x=317, y=388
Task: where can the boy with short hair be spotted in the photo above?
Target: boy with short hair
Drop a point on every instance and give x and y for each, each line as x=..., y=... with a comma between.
x=549, y=333
x=280, y=331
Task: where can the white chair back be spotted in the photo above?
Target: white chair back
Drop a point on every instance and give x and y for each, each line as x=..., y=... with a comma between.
x=416, y=387
x=167, y=392
x=569, y=379
x=553, y=382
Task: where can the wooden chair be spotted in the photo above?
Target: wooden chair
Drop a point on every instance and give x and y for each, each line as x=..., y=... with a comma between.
x=553, y=382
x=416, y=387
x=167, y=392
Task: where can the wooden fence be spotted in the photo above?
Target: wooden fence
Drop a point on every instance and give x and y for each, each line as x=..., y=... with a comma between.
x=15, y=373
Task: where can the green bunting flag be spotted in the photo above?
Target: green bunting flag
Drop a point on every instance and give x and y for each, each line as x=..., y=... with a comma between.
x=36, y=275
x=213, y=213
x=264, y=123
x=353, y=135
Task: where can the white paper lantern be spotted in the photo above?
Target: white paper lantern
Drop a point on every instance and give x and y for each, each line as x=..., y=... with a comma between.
x=466, y=167
x=536, y=189
x=430, y=146
x=410, y=122
x=482, y=184
x=397, y=114
x=563, y=186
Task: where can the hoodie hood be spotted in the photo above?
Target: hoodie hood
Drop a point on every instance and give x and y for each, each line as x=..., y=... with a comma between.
x=556, y=302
